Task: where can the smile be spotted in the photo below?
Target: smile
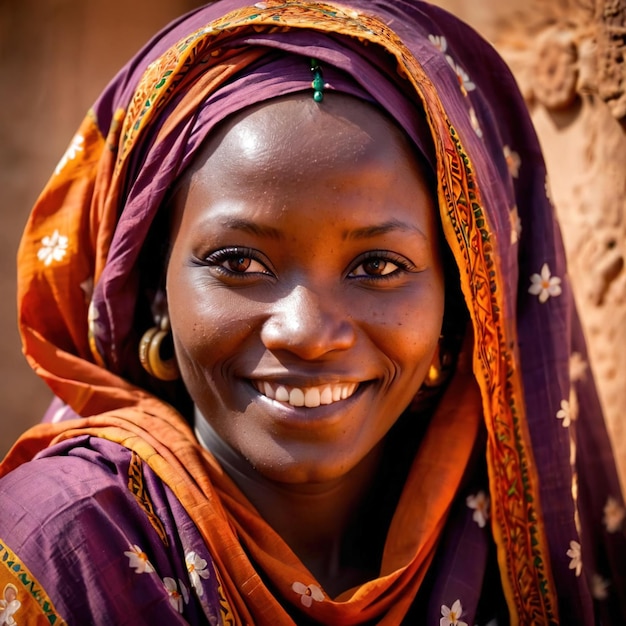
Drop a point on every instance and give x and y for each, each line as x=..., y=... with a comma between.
x=309, y=397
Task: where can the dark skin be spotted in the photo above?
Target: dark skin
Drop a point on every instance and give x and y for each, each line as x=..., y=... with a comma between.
x=305, y=290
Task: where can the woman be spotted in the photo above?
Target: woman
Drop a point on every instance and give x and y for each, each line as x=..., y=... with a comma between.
x=339, y=216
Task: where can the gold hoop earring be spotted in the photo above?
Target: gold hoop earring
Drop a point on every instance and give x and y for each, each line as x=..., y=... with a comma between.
x=150, y=352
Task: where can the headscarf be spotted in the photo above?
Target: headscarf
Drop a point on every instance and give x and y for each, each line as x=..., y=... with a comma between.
x=80, y=262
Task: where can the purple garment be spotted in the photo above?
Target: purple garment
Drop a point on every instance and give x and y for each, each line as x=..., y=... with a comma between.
x=75, y=523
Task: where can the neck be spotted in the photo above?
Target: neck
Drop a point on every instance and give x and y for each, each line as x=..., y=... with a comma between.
x=315, y=520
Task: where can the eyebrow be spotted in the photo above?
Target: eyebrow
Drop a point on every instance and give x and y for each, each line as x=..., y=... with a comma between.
x=382, y=229
x=365, y=232
x=248, y=226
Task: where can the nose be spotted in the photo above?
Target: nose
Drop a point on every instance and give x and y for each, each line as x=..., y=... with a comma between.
x=308, y=324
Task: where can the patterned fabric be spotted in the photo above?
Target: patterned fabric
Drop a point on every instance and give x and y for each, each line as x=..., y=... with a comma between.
x=518, y=437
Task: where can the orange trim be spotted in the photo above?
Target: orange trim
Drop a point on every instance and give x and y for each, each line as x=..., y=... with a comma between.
x=18, y=586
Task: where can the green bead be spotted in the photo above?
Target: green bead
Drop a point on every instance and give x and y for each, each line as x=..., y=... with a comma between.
x=318, y=82
x=318, y=96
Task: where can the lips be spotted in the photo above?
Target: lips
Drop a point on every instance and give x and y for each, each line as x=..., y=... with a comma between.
x=309, y=397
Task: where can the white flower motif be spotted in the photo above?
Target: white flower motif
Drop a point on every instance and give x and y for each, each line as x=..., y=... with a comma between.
x=53, y=248
x=577, y=366
x=464, y=80
x=439, y=41
x=308, y=593
x=450, y=617
x=564, y=414
x=480, y=503
x=614, y=514
x=575, y=554
x=197, y=568
x=516, y=225
x=475, y=123
x=513, y=161
x=260, y=5
x=74, y=148
x=599, y=587
x=545, y=285
x=139, y=560
x=178, y=599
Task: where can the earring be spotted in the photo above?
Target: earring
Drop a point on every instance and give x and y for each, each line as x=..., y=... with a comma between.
x=150, y=352
x=439, y=369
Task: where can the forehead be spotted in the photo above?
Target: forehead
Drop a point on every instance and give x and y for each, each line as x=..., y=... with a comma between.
x=294, y=134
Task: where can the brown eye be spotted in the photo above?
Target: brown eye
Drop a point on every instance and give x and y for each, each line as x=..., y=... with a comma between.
x=237, y=261
x=378, y=267
x=375, y=266
x=238, y=264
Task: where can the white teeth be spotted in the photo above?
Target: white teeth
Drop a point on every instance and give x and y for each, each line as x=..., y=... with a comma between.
x=296, y=397
x=310, y=397
x=282, y=395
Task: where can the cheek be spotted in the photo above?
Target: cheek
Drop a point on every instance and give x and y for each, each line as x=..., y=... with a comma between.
x=408, y=327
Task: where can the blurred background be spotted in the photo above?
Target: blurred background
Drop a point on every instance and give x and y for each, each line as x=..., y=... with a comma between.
x=57, y=55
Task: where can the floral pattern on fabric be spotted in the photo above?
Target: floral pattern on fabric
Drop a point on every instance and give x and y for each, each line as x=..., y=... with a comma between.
x=9, y=605
x=575, y=554
x=475, y=123
x=178, y=599
x=513, y=161
x=564, y=414
x=450, y=616
x=308, y=593
x=599, y=587
x=197, y=568
x=76, y=146
x=614, y=514
x=480, y=503
x=545, y=285
x=578, y=367
x=53, y=248
x=516, y=225
x=23, y=592
x=465, y=82
x=138, y=560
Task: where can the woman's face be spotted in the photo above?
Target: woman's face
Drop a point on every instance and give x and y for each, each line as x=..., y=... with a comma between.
x=305, y=286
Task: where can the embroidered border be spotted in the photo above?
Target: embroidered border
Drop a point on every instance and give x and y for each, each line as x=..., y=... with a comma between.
x=226, y=613
x=138, y=489
x=28, y=583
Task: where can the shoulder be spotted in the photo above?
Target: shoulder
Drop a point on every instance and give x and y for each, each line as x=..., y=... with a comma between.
x=62, y=483
x=70, y=521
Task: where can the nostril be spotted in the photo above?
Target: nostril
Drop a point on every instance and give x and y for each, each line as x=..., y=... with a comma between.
x=308, y=325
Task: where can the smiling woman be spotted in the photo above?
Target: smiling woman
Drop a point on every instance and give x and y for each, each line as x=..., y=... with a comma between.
x=304, y=373
x=324, y=292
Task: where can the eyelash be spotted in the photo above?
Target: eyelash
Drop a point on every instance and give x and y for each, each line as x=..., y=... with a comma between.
x=403, y=265
x=219, y=257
